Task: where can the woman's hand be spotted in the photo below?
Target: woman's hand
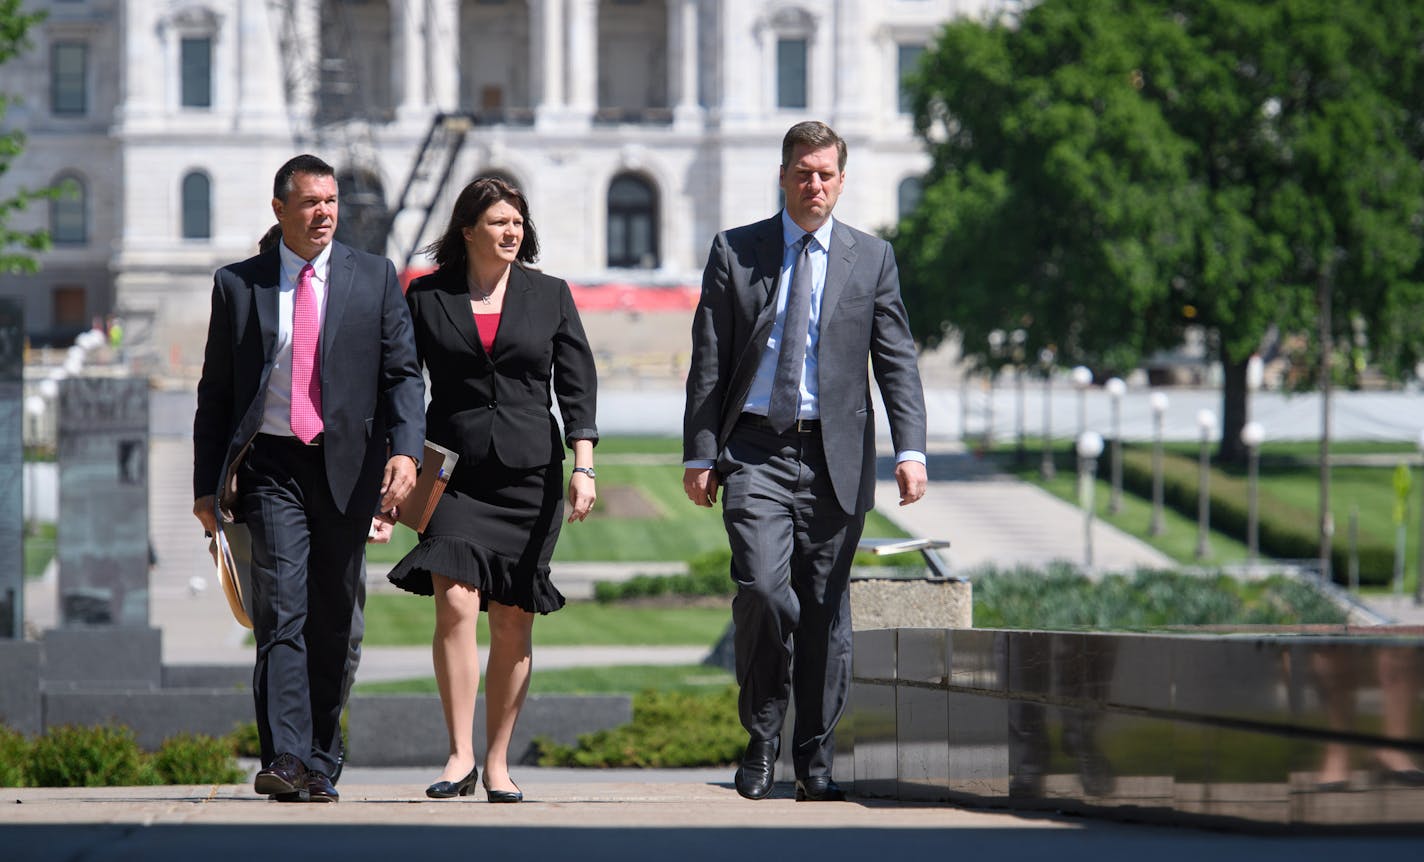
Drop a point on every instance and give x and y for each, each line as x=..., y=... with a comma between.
x=582, y=493
x=382, y=527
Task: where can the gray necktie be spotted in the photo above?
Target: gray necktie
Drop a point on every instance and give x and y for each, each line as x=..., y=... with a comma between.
x=786, y=385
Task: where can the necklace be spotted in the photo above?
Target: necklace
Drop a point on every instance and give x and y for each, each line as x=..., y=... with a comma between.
x=477, y=294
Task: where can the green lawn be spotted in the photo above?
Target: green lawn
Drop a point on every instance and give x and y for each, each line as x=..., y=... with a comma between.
x=618, y=679
x=39, y=549
x=645, y=469
x=406, y=620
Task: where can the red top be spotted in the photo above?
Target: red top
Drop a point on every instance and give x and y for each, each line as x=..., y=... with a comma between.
x=488, y=325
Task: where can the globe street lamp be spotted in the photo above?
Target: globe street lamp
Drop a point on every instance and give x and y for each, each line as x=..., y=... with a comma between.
x=1045, y=468
x=1090, y=446
x=1206, y=420
x=1159, y=409
x=1116, y=389
x=1082, y=379
x=1252, y=435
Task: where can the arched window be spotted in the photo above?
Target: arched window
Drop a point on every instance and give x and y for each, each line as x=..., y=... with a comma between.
x=911, y=190
x=69, y=213
x=197, y=206
x=632, y=223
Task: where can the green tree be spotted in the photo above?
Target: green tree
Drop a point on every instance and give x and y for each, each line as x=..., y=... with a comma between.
x=16, y=246
x=1107, y=173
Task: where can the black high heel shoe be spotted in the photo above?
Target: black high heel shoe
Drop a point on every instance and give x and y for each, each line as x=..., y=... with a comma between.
x=450, y=789
x=501, y=795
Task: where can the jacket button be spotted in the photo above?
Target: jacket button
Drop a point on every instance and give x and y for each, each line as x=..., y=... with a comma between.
x=492, y=405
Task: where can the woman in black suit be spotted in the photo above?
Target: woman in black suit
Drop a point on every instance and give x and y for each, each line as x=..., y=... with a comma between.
x=493, y=335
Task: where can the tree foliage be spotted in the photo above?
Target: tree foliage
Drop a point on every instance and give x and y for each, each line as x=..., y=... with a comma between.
x=1107, y=173
x=16, y=246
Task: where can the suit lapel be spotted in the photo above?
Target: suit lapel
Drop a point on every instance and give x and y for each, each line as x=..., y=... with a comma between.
x=266, y=292
x=339, y=273
x=454, y=299
x=518, y=306
x=769, y=253
x=840, y=260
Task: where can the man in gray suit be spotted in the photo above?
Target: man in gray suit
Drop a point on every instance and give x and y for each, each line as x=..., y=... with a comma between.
x=779, y=418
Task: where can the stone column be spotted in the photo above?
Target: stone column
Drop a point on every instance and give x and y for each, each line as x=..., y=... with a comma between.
x=261, y=102
x=546, y=44
x=682, y=62
x=12, y=497
x=583, y=58
x=141, y=96
x=304, y=36
x=442, y=53
x=851, y=58
x=408, y=18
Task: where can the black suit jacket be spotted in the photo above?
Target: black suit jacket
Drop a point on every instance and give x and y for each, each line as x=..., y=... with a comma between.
x=500, y=402
x=863, y=328
x=371, y=389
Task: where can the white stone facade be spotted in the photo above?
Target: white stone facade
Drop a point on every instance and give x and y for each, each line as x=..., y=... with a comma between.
x=685, y=97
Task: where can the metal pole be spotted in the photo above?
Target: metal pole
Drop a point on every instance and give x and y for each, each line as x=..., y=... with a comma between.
x=1253, y=548
x=1046, y=468
x=1087, y=480
x=1019, y=451
x=1115, y=498
x=1157, y=527
x=1204, y=496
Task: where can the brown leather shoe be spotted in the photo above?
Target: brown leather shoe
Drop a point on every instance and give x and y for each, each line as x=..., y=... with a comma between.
x=287, y=774
x=320, y=788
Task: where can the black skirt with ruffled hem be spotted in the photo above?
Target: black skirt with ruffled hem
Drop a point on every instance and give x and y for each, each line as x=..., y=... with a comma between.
x=497, y=578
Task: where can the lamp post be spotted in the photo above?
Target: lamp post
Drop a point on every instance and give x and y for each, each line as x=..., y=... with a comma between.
x=1017, y=339
x=1252, y=435
x=1082, y=379
x=1090, y=446
x=1116, y=389
x=1206, y=420
x=1045, y=467
x=1159, y=409
x=35, y=406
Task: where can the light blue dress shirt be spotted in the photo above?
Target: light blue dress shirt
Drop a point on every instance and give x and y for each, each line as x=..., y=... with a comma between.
x=759, y=395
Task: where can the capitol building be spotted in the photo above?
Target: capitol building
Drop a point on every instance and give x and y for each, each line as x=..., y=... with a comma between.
x=637, y=128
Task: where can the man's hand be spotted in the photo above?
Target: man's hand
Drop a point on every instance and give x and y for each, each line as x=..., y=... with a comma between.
x=382, y=528
x=397, y=482
x=204, y=509
x=700, y=485
x=910, y=476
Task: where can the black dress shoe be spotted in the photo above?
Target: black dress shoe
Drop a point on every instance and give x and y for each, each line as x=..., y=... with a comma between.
x=515, y=795
x=757, y=773
x=819, y=788
x=287, y=774
x=320, y=788
x=450, y=789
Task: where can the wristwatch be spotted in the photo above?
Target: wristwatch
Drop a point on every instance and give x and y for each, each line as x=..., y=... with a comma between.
x=586, y=470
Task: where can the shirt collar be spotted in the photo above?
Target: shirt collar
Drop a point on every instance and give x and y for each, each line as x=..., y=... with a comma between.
x=792, y=232
x=292, y=262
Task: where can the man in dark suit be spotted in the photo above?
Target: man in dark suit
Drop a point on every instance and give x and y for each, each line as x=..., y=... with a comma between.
x=310, y=420
x=779, y=417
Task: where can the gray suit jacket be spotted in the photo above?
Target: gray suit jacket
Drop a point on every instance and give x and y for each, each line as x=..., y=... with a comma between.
x=373, y=396
x=862, y=318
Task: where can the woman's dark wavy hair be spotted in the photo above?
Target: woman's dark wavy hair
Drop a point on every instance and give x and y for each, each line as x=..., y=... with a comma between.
x=474, y=199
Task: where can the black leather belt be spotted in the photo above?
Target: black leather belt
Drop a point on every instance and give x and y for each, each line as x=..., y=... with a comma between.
x=800, y=426
x=291, y=440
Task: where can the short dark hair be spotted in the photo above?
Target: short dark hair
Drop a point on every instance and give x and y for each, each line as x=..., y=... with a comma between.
x=474, y=199
x=817, y=136
x=303, y=164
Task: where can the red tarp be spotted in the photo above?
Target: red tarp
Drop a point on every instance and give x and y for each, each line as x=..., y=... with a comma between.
x=614, y=296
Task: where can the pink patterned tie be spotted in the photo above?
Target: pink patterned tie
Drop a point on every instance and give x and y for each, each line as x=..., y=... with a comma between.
x=306, y=361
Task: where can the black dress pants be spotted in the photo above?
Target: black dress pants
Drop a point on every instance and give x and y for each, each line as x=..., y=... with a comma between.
x=792, y=546
x=306, y=560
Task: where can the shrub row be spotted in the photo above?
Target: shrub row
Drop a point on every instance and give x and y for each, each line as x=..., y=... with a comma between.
x=669, y=729
x=708, y=574
x=1283, y=531
x=1063, y=597
x=108, y=756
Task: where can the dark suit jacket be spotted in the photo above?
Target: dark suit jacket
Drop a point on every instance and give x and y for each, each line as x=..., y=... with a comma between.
x=500, y=403
x=371, y=389
x=862, y=316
